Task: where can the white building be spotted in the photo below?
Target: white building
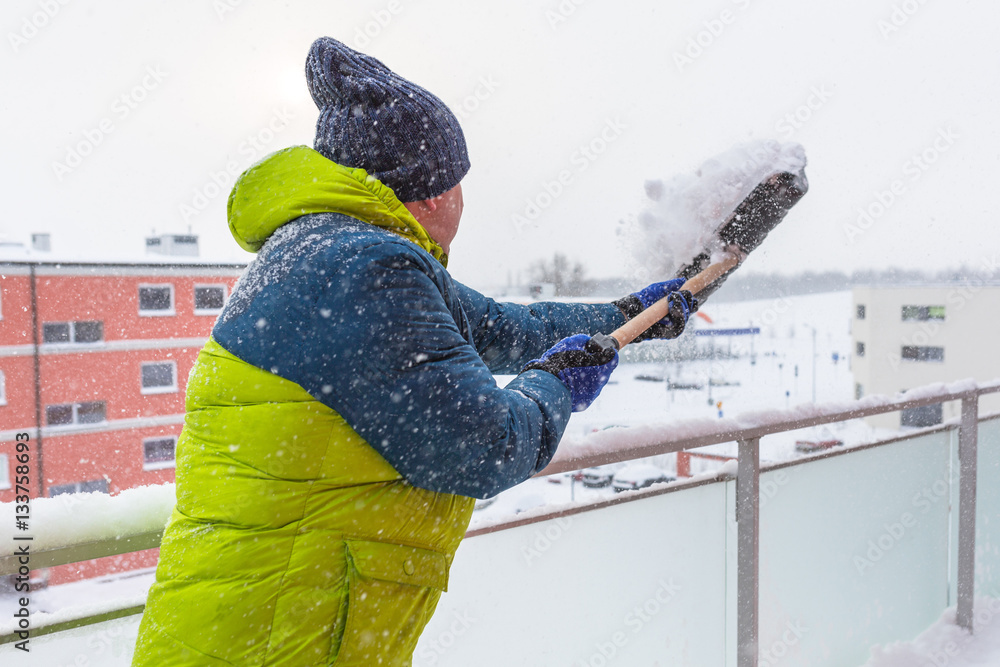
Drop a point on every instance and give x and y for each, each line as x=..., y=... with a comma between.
x=185, y=245
x=906, y=337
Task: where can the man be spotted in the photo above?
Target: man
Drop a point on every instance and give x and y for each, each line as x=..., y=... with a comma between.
x=343, y=416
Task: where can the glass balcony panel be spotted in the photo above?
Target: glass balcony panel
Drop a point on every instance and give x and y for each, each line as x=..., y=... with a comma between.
x=638, y=583
x=988, y=510
x=849, y=545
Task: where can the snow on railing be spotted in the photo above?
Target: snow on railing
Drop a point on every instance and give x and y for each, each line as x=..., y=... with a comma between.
x=88, y=525
x=635, y=442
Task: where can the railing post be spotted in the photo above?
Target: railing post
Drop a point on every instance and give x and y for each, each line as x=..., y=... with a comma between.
x=967, y=459
x=748, y=551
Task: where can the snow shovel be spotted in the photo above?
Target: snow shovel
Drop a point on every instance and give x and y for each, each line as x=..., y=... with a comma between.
x=741, y=233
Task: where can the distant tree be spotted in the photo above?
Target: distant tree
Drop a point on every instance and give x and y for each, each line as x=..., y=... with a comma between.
x=569, y=278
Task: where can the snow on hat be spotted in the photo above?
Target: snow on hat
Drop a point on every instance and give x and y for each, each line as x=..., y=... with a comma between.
x=372, y=118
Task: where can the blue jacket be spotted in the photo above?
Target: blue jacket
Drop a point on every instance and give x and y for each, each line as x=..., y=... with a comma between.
x=375, y=328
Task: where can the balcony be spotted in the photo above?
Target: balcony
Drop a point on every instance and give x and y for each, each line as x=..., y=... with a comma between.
x=806, y=562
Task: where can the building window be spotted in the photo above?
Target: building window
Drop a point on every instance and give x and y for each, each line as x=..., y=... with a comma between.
x=56, y=332
x=922, y=313
x=922, y=417
x=93, y=486
x=3, y=389
x=209, y=299
x=158, y=453
x=87, y=331
x=4, y=472
x=156, y=299
x=859, y=347
x=920, y=353
x=861, y=311
x=89, y=412
x=159, y=377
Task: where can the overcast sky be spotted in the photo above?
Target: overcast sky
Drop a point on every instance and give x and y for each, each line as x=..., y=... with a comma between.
x=120, y=117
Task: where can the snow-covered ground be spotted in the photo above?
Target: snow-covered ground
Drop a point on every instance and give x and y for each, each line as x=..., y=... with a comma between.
x=944, y=643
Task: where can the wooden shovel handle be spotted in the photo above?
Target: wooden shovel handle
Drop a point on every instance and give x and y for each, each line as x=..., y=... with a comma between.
x=656, y=312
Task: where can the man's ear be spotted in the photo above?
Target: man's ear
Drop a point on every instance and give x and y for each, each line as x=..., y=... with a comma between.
x=431, y=204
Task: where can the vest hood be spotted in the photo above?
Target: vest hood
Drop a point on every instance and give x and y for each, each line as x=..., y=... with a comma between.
x=299, y=181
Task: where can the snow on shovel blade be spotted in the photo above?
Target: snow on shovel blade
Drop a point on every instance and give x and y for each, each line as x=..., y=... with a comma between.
x=744, y=230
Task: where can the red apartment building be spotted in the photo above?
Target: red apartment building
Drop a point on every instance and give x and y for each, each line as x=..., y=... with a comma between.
x=94, y=360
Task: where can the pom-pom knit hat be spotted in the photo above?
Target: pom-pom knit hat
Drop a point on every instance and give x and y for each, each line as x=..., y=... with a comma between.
x=372, y=118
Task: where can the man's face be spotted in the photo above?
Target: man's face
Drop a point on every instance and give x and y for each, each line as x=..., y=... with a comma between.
x=450, y=206
x=440, y=216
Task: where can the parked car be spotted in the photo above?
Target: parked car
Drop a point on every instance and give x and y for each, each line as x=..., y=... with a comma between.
x=598, y=477
x=811, y=446
x=639, y=476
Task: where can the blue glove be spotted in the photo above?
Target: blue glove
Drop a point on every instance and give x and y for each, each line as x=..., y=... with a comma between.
x=651, y=294
x=682, y=304
x=583, y=369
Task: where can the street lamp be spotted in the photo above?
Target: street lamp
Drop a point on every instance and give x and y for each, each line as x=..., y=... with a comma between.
x=814, y=361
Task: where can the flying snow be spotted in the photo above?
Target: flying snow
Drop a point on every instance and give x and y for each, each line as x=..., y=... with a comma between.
x=681, y=214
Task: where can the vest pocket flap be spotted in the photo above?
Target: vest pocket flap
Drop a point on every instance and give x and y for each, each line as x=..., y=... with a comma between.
x=399, y=563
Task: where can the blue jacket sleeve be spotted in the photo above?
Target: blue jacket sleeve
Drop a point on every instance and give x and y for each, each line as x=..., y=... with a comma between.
x=508, y=335
x=419, y=393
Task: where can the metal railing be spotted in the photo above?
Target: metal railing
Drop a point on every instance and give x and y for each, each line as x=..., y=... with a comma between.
x=636, y=443
x=748, y=487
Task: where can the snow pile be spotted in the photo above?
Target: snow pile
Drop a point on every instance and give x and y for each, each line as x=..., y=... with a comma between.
x=75, y=518
x=682, y=213
x=944, y=643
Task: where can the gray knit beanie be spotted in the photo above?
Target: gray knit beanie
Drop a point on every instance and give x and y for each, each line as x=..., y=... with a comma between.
x=372, y=118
